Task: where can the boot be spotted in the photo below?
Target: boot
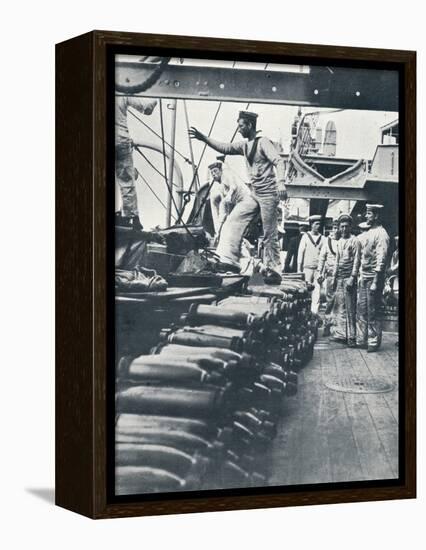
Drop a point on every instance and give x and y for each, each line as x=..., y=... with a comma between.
x=135, y=223
x=271, y=277
x=222, y=267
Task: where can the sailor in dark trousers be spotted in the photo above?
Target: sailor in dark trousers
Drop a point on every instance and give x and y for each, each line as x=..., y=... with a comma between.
x=290, y=264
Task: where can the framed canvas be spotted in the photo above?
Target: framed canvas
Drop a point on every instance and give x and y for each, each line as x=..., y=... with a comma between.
x=234, y=221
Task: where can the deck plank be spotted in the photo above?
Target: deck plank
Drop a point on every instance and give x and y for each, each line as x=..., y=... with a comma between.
x=330, y=436
x=314, y=457
x=285, y=464
x=344, y=455
x=386, y=428
x=374, y=459
x=379, y=364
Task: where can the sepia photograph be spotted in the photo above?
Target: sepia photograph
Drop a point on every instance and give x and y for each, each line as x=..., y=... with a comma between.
x=256, y=284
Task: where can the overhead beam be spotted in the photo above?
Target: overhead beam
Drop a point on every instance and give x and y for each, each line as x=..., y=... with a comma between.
x=368, y=191
x=335, y=87
x=296, y=191
x=320, y=160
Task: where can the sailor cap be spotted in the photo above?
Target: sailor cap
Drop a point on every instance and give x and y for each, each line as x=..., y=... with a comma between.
x=345, y=218
x=248, y=115
x=374, y=207
x=216, y=164
x=364, y=225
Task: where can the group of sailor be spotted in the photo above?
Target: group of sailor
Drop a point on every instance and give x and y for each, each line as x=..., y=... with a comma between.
x=352, y=268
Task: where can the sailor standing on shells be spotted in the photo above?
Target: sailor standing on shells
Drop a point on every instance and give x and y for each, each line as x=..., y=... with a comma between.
x=266, y=171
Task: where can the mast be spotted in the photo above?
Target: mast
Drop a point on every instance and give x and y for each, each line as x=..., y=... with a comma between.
x=191, y=152
x=173, y=107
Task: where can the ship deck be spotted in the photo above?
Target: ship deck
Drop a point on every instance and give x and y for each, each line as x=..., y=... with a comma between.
x=332, y=436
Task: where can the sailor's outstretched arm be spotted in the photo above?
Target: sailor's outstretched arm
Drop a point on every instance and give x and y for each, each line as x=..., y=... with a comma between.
x=225, y=148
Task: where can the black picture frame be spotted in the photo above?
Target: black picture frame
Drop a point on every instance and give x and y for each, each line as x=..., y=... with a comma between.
x=84, y=266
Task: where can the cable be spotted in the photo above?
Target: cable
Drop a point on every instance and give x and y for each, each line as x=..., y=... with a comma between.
x=188, y=192
x=203, y=202
x=163, y=144
x=232, y=139
x=158, y=135
x=210, y=131
x=151, y=189
x=165, y=178
x=150, y=163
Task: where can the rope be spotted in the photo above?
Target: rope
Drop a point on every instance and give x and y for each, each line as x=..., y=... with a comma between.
x=168, y=188
x=149, y=162
x=151, y=189
x=163, y=144
x=188, y=192
x=158, y=135
x=164, y=176
x=203, y=202
x=187, y=196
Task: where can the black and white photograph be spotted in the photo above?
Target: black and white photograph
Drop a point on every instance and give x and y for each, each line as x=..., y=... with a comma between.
x=256, y=232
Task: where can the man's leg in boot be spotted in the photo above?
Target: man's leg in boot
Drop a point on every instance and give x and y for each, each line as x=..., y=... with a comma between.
x=269, y=214
x=329, y=305
x=361, y=315
x=125, y=177
x=350, y=295
x=339, y=328
x=309, y=275
x=374, y=324
x=316, y=293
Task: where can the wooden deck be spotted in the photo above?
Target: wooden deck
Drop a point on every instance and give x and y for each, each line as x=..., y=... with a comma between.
x=331, y=436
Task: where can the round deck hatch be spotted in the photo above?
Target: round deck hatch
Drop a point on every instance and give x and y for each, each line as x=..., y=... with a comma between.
x=358, y=384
